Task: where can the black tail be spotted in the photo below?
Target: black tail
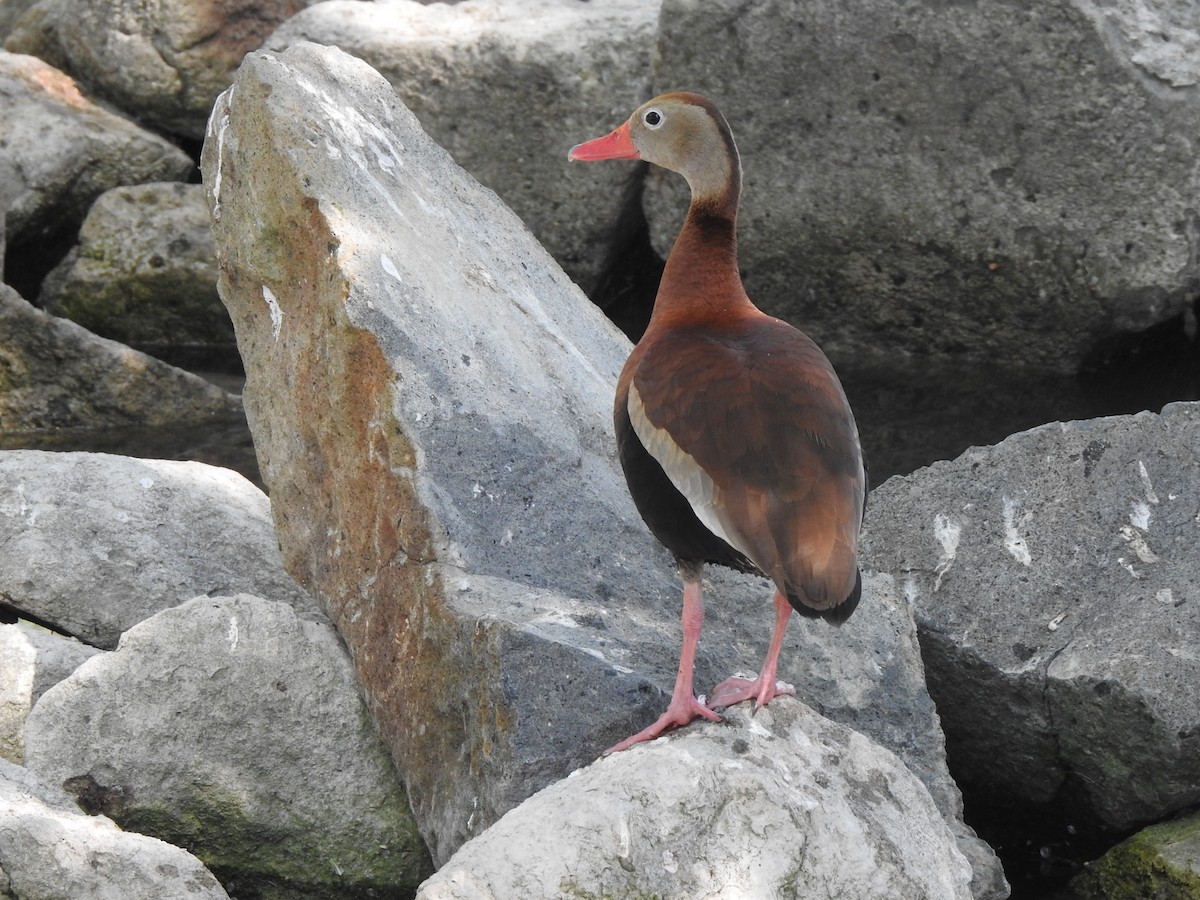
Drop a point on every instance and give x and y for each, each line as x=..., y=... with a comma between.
x=835, y=615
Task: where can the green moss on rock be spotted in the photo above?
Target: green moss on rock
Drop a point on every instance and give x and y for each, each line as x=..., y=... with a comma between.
x=288, y=861
x=1161, y=862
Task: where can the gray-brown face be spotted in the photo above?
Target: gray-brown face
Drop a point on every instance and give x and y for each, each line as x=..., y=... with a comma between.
x=676, y=133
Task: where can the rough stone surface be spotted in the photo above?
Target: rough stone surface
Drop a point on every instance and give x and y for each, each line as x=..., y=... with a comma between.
x=31, y=661
x=10, y=12
x=469, y=71
x=431, y=402
x=49, y=849
x=144, y=271
x=55, y=374
x=164, y=62
x=232, y=727
x=1161, y=862
x=998, y=181
x=781, y=804
x=1055, y=579
x=94, y=543
x=64, y=150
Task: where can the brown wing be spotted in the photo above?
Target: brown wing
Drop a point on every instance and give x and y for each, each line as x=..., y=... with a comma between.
x=752, y=426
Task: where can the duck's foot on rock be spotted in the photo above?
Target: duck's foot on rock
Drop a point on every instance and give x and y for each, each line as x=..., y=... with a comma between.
x=681, y=711
x=735, y=690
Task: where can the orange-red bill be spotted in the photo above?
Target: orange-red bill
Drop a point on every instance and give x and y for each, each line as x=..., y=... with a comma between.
x=618, y=145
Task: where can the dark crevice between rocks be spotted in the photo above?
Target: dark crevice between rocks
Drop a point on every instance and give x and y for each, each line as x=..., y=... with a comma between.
x=29, y=260
x=1132, y=371
x=11, y=615
x=192, y=147
x=1040, y=845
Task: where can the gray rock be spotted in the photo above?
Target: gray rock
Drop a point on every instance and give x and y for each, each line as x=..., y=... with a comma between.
x=49, y=849
x=32, y=660
x=65, y=151
x=95, y=543
x=10, y=12
x=58, y=375
x=232, y=727
x=1001, y=182
x=145, y=270
x=1055, y=578
x=431, y=402
x=781, y=804
x=162, y=62
x=508, y=87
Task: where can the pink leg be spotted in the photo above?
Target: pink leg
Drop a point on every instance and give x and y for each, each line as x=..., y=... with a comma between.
x=764, y=688
x=684, y=706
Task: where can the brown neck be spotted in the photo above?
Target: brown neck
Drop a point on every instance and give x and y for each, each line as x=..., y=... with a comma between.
x=701, y=278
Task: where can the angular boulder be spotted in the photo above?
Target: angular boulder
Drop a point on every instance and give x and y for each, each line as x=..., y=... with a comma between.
x=1000, y=182
x=94, y=543
x=467, y=72
x=231, y=727
x=1054, y=578
x=145, y=271
x=64, y=150
x=431, y=402
x=57, y=375
x=162, y=62
x=783, y=803
x=48, y=848
x=31, y=661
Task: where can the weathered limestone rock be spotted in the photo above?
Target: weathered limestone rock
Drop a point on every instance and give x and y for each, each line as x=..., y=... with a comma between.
x=231, y=727
x=145, y=270
x=31, y=661
x=95, y=543
x=469, y=72
x=48, y=848
x=162, y=62
x=1161, y=862
x=64, y=150
x=781, y=804
x=1055, y=577
x=55, y=374
x=431, y=403
x=1004, y=182
x=10, y=12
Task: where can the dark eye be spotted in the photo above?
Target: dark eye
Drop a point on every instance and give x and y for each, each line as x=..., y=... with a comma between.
x=653, y=118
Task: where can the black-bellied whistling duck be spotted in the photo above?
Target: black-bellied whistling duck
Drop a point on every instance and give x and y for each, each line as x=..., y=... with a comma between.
x=734, y=432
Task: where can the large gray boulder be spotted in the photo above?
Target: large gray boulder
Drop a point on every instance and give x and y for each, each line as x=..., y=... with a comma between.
x=508, y=87
x=994, y=181
x=95, y=543
x=1054, y=579
x=49, y=849
x=163, y=63
x=144, y=271
x=32, y=660
x=232, y=727
x=783, y=803
x=62, y=150
x=57, y=375
x=430, y=398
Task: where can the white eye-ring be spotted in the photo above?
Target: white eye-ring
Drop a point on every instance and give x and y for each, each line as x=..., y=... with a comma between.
x=653, y=118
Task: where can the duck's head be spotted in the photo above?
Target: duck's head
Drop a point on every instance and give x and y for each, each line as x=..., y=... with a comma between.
x=683, y=132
